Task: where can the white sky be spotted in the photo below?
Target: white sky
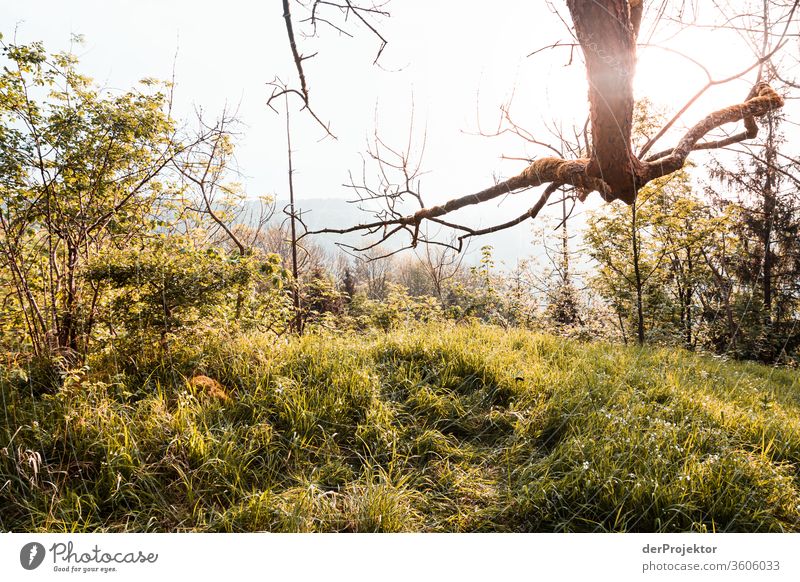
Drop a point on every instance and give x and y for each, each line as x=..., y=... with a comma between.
x=457, y=60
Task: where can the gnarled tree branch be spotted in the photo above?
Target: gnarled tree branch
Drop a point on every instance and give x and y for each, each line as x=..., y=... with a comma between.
x=607, y=31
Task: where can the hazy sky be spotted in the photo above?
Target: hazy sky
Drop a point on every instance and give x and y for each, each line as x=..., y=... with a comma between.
x=456, y=61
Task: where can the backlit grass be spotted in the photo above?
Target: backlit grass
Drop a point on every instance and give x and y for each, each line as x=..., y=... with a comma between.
x=433, y=428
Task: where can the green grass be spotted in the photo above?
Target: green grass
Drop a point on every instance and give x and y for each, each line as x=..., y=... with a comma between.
x=433, y=428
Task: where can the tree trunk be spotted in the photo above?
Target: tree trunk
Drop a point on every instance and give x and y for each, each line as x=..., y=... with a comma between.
x=606, y=30
x=297, y=320
x=770, y=204
x=67, y=325
x=725, y=290
x=622, y=327
x=689, y=294
x=637, y=272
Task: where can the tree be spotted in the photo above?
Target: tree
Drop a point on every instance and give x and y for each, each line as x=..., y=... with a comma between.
x=691, y=287
x=683, y=229
x=629, y=274
x=718, y=300
x=320, y=296
x=563, y=303
x=441, y=265
x=376, y=273
x=766, y=266
x=81, y=168
x=276, y=238
x=607, y=33
x=84, y=171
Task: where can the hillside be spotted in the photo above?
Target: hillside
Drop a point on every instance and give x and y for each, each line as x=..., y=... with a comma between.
x=438, y=428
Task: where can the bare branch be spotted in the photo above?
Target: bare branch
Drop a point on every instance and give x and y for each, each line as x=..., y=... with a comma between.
x=711, y=83
x=282, y=90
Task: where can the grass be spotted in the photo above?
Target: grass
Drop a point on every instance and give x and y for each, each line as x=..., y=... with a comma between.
x=432, y=428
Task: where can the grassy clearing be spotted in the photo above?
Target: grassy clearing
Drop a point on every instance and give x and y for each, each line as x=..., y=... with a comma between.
x=429, y=429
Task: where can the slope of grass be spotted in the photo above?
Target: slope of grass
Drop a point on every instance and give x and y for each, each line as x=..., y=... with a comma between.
x=428, y=429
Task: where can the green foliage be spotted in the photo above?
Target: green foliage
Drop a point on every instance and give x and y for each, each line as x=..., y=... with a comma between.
x=401, y=409
x=564, y=306
x=426, y=428
x=759, y=268
x=400, y=308
x=479, y=297
x=170, y=285
x=320, y=300
x=671, y=233
x=81, y=168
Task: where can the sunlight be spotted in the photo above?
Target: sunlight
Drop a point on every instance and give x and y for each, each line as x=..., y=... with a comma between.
x=671, y=76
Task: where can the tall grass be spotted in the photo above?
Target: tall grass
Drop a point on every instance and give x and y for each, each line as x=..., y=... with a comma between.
x=431, y=428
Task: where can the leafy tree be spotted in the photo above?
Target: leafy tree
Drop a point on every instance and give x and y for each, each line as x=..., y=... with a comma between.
x=319, y=297
x=479, y=295
x=348, y=284
x=630, y=274
x=563, y=307
x=396, y=309
x=81, y=168
x=765, y=268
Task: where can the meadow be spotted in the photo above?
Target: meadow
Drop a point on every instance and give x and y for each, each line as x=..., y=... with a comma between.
x=427, y=428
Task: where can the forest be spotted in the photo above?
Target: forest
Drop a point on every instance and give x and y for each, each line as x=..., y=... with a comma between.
x=179, y=353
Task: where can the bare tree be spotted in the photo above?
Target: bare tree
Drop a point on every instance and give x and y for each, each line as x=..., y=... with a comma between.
x=375, y=273
x=607, y=32
x=441, y=264
x=338, y=16
x=212, y=194
x=277, y=239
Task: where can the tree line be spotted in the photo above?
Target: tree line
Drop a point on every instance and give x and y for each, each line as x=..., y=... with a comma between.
x=121, y=228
